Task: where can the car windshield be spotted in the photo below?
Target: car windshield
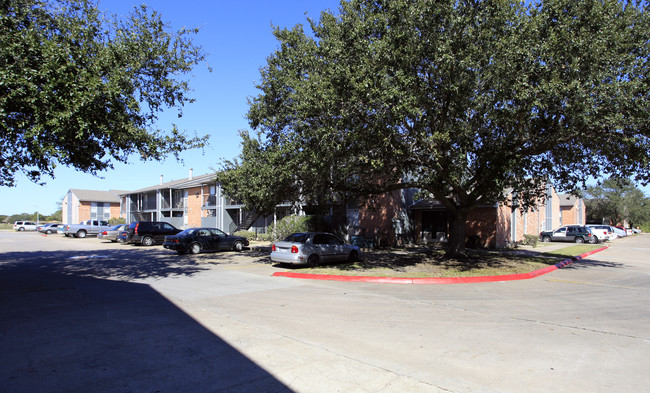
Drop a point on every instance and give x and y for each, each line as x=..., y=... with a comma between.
x=297, y=238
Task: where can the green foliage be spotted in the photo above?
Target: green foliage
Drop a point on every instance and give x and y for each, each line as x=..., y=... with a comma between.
x=116, y=221
x=250, y=235
x=530, y=240
x=83, y=89
x=617, y=200
x=461, y=99
x=289, y=225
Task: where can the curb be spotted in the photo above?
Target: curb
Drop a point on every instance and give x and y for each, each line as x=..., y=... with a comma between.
x=438, y=280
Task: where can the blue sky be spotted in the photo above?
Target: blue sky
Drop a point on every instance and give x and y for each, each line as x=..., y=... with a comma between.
x=237, y=35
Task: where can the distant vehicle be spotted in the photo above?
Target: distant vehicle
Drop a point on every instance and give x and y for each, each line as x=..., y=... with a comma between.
x=113, y=233
x=86, y=228
x=601, y=232
x=21, y=226
x=569, y=233
x=196, y=240
x=313, y=248
x=49, y=229
x=148, y=233
x=620, y=231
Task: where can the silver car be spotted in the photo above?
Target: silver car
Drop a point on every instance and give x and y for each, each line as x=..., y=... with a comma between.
x=313, y=248
x=49, y=229
x=111, y=234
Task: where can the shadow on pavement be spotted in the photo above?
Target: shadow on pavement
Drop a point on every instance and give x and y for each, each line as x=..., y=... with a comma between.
x=63, y=330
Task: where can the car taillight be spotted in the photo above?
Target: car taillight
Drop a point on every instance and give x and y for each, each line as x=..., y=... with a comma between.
x=135, y=230
x=294, y=249
x=104, y=233
x=273, y=247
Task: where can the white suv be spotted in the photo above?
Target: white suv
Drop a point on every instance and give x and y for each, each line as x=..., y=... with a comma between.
x=24, y=226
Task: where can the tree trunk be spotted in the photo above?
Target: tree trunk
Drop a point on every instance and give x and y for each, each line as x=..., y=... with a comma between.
x=457, y=225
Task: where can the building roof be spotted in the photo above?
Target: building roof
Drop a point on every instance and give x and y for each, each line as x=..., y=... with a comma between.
x=112, y=196
x=177, y=184
x=567, y=199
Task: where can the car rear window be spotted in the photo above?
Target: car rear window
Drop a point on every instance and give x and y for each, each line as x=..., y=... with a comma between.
x=297, y=238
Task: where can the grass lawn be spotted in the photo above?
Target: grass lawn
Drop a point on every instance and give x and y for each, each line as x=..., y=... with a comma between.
x=573, y=251
x=429, y=262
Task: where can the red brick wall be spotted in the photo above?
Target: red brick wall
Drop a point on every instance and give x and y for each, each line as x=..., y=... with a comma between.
x=377, y=218
x=194, y=201
x=115, y=210
x=84, y=211
x=482, y=222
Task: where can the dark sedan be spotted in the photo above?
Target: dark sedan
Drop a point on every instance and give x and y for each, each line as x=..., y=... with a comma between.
x=196, y=240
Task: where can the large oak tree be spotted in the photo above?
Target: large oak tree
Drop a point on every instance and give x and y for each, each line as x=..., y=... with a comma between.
x=84, y=89
x=465, y=100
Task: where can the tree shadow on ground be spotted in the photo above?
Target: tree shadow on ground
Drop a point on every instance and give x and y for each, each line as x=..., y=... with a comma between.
x=435, y=256
x=126, y=262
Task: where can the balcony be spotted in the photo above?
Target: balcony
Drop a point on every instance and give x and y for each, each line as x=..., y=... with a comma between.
x=209, y=200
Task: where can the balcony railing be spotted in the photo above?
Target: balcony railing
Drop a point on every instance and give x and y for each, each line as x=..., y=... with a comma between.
x=209, y=200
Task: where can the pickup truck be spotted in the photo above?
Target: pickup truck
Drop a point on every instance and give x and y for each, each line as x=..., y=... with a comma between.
x=86, y=228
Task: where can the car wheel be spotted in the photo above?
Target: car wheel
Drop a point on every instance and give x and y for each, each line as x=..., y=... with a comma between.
x=81, y=234
x=195, y=248
x=21, y=229
x=48, y=232
x=313, y=260
x=353, y=257
x=238, y=246
x=579, y=240
x=147, y=241
x=595, y=240
x=546, y=239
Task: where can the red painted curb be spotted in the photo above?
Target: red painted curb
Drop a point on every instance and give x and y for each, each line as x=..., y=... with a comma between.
x=438, y=280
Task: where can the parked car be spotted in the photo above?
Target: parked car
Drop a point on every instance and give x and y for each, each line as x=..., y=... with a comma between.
x=568, y=233
x=148, y=233
x=313, y=248
x=620, y=231
x=49, y=229
x=123, y=236
x=601, y=232
x=196, y=240
x=111, y=234
x=24, y=226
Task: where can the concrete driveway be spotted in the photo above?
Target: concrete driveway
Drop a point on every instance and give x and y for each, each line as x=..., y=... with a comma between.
x=83, y=315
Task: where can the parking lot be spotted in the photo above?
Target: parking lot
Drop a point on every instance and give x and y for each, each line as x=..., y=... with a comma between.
x=85, y=315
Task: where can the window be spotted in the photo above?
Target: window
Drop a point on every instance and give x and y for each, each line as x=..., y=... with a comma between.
x=100, y=211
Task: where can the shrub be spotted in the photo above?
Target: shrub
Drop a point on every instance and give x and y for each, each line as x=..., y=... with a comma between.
x=116, y=221
x=250, y=235
x=530, y=240
x=289, y=225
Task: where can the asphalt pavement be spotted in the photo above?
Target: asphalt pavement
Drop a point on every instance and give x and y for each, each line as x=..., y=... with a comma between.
x=79, y=315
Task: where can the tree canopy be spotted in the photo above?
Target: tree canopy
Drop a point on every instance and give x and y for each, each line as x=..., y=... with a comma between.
x=465, y=100
x=617, y=201
x=84, y=89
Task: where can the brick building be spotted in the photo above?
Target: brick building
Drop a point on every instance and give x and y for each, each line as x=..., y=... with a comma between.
x=81, y=205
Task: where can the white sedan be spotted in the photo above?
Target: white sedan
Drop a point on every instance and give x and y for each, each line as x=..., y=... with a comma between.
x=313, y=248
